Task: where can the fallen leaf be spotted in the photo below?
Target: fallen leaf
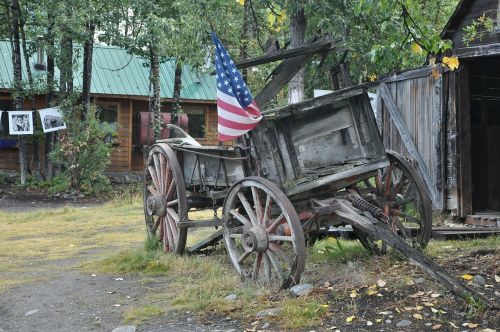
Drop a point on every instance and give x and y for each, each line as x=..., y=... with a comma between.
x=325, y=305
x=378, y=320
x=417, y=294
x=434, y=295
x=371, y=292
x=409, y=308
x=453, y=325
x=353, y=294
x=381, y=283
x=497, y=278
x=471, y=325
x=436, y=327
x=428, y=304
x=418, y=316
x=419, y=307
x=467, y=276
x=487, y=330
x=369, y=323
x=350, y=319
x=434, y=310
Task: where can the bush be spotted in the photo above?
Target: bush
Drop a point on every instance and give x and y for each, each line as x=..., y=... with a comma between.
x=83, y=152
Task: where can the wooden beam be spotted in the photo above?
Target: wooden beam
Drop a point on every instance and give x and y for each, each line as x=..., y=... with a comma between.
x=379, y=230
x=407, y=139
x=283, y=74
x=209, y=241
x=312, y=48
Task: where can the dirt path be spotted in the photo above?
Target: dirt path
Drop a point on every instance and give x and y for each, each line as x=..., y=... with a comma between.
x=63, y=297
x=80, y=302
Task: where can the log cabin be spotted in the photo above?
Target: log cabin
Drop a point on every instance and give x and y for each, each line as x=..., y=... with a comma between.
x=120, y=88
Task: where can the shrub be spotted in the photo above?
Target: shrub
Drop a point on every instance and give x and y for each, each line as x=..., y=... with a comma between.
x=84, y=152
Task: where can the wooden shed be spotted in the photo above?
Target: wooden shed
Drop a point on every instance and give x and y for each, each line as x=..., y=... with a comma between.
x=450, y=126
x=121, y=90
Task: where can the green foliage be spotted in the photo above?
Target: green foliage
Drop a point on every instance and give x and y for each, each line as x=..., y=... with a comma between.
x=84, y=152
x=478, y=29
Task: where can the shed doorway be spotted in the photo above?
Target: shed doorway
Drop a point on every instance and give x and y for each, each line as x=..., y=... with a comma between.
x=485, y=134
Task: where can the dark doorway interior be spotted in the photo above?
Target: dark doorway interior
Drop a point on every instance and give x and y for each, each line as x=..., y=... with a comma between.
x=485, y=134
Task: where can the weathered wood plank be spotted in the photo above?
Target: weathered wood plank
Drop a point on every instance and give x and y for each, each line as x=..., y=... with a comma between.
x=283, y=74
x=408, y=141
x=319, y=46
x=209, y=241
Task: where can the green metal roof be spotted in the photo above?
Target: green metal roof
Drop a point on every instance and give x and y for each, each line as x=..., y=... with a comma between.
x=115, y=72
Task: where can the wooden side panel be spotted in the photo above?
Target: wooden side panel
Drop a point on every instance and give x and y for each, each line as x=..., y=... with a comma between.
x=419, y=102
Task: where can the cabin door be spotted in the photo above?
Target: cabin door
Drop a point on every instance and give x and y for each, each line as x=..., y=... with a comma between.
x=485, y=134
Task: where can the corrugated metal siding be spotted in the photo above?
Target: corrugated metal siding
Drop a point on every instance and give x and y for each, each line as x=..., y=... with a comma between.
x=419, y=100
x=115, y=72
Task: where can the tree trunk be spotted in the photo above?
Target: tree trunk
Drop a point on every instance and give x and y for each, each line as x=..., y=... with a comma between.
x=18, y=88
x=297, y=35
x=66, y=66
x=155, y=81
x=36, y=153
x=176, y=95
x=50, y=137
x=245, y=36
x=87, y=68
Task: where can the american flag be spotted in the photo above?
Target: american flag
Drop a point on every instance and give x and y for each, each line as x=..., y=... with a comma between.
x=237, y=111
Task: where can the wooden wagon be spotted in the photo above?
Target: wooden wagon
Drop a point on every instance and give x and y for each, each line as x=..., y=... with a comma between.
x=304, y=169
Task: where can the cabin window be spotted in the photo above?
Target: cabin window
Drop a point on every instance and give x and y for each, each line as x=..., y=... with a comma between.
x=6, y=141
x=196, y=123
x=108, y=113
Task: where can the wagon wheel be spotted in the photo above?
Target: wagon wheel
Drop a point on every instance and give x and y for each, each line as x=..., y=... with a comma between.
x=401, y=194
x=165, y=198
x=262, y=233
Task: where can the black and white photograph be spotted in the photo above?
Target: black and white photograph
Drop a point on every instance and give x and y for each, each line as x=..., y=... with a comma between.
x=51, y=119
x=20, y=123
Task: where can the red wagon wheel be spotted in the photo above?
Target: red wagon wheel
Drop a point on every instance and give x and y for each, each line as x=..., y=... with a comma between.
x=262, y=233
x=165, y=198
x=402, y=195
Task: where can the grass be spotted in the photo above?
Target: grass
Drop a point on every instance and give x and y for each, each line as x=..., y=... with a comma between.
x=39, y=240
x=31, y=241
x=142, y=314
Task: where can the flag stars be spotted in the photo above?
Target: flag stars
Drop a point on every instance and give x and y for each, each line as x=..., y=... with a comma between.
x=226, y=82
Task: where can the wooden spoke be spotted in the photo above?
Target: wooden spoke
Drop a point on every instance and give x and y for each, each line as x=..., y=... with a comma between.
x=257, y=204
x=152, y=190
x=157, y=223
x=248, y=208
x=276, y=264
x=173, y=203
x=276, y=223
x=256, y=266
x=280, y=252
x=241, y=218
x=152, y=172
x=170, y=190
x=267, y=210
x=159, y=173
x=280, y=238
x=235, y=236
x=244, y=256
x=267, y=268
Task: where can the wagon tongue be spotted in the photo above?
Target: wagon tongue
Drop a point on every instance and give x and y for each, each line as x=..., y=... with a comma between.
x=343, y=209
